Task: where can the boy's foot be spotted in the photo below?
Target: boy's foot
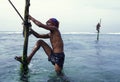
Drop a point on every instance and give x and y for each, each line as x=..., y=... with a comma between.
x=19, y=59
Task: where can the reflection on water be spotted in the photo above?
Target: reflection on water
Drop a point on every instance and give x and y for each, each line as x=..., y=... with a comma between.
x=24, y=78
x=55, y=78
x=98, y=54
x=98, y=48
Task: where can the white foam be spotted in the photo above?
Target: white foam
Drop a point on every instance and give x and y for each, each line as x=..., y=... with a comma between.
x=10, y=32
x=78, y=33
x=114, y=33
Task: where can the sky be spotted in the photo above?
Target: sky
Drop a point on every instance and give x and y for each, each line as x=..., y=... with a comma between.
x=73, y=15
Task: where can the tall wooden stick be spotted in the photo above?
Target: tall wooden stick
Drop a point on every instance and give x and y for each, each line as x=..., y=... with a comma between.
x=27, y=24
x=97, y=36
x=24, y=65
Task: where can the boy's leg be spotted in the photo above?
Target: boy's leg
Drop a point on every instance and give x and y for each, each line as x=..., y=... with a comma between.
x=39, y=43
x=58, y=69
x=44, y=45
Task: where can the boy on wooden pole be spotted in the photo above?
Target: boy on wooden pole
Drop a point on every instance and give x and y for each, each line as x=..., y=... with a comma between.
x=55, y=53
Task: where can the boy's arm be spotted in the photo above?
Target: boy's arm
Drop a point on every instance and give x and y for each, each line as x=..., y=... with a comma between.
x=38, y=23
x=39, y=35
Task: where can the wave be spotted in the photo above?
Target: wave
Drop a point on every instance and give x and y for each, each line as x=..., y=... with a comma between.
x=78, y=33
x=10, y=32
x=114, y=33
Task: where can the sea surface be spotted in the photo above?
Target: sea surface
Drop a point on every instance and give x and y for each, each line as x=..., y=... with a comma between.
x=87, y=60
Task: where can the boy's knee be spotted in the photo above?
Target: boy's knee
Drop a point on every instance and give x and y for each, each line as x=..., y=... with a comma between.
x=59, y=72
x=40, y=42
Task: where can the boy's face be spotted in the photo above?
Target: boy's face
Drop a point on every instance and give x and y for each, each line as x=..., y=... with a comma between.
x=49, y=23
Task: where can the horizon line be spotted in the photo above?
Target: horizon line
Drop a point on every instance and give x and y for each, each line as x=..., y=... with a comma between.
x=19, y=32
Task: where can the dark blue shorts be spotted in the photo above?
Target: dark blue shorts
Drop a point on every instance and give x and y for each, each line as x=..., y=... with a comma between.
x=57, y=58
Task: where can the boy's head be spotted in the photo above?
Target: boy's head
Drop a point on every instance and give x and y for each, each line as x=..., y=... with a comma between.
x=53, y=21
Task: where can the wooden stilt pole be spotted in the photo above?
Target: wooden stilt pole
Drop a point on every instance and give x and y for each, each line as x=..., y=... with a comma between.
x=97, y=36
x=24, y=65
x=27, y=24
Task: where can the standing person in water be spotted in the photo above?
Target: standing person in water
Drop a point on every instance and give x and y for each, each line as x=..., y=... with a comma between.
x=55, y=53
x=98, y=27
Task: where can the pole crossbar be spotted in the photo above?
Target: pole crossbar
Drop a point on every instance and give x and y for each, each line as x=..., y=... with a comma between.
x=16, y=10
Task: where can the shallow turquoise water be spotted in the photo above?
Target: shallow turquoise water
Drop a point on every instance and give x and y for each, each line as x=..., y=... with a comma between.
x=86, y=59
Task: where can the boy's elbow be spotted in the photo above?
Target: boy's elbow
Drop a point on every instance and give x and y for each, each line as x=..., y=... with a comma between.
x=37, y=36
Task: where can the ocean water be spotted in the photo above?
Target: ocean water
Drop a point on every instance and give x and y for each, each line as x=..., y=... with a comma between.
x=87, y=60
